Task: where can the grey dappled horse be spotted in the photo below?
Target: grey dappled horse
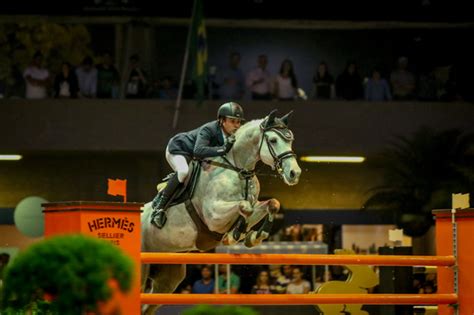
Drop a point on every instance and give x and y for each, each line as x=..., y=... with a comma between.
x=219, y=199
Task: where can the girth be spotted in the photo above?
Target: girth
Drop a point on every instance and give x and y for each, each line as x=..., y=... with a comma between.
x=206, y=239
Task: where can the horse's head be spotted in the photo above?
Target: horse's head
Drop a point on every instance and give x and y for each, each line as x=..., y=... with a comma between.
x=276, y=147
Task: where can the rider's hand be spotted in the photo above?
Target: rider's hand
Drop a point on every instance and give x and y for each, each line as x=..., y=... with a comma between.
x=230, y=142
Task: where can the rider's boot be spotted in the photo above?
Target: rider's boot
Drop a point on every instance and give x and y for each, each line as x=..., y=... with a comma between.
x=240, y=227
x=158, y=216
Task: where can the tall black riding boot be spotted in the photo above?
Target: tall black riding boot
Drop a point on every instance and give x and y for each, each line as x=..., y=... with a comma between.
x=158, y=216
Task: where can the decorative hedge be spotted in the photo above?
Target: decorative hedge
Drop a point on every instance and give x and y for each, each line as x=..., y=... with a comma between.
x=65, y=275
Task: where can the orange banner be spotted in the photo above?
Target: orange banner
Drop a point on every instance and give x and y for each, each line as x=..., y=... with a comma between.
x=117, y=187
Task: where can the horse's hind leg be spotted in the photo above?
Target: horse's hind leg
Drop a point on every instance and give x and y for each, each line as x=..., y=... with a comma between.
x=165, y=279
x=145, y=272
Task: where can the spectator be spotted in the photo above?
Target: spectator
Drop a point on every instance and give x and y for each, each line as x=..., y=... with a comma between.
x=108, y=78
x=403, y=81
x=280, y=281
x=293, y=233
x=87, y=78
x=298, y=285
x=65, y=83
x=427, y=86
x=377, y=88
x=428, y=288
x=259, y=80
x=187, y=289
x=154, y=89
x=263, y=285
x=286, y=84
x=312, y=235
x=451, y=87
x=349, y=83
x=136, y=84
x=37, y=78
x=222, y=281
x=287, y=271
x=323, y=83
x=231, y=81
x=167, y=89
x=206, y=283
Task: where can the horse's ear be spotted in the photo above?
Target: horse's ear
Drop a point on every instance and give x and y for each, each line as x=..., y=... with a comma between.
x=285, y=119
x=271, y=118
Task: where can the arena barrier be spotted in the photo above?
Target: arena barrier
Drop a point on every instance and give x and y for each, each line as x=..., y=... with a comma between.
x=120, y=224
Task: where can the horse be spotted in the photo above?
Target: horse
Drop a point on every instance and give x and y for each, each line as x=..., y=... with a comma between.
x=226, y=190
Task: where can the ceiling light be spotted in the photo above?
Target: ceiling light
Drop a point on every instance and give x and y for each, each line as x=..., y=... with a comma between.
x=333, y=159
x=10, y=157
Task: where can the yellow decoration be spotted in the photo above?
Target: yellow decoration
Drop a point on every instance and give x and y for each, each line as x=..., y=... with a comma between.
x=361, y=279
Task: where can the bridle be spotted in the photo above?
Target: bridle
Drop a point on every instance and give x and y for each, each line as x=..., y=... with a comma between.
x=283, y=132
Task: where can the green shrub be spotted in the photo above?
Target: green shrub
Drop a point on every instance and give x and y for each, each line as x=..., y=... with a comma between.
x=65, y=275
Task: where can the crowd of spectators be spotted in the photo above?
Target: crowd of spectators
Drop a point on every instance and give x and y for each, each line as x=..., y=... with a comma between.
x=246, y=279
x=101, y=79
x=279, y=279
x=400, y=84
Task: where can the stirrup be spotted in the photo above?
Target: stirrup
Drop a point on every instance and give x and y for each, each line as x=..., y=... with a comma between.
x=158, y=218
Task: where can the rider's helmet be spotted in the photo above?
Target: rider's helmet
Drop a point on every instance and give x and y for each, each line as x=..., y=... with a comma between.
x=231, y=110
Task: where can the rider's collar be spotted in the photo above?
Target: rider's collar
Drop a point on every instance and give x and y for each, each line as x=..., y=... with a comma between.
x=224, y=135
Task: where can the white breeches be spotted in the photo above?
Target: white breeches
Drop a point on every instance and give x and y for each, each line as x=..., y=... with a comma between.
x=179, y=164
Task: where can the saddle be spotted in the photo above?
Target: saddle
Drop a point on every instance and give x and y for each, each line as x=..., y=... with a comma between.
x=186, y=190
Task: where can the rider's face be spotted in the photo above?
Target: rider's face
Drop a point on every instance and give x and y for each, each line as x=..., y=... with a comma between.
x=230, y=125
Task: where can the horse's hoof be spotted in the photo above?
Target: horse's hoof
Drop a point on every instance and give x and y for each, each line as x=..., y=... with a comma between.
x=273, y=205
x=229, y=240
x=250, y=239
x=263, y=236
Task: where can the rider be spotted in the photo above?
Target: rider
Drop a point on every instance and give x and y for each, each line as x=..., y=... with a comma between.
x=214, y=138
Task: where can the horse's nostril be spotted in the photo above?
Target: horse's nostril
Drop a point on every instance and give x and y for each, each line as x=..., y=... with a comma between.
x=292, y=174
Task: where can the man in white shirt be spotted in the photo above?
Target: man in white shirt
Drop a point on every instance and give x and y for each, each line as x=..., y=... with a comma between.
x=259, y=80
x=36, y=78
x=87, y=78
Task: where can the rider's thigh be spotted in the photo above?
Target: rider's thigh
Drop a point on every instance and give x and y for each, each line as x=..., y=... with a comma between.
x=179, y=164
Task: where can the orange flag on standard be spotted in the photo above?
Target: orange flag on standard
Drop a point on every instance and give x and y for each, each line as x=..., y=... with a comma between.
x=117, y=187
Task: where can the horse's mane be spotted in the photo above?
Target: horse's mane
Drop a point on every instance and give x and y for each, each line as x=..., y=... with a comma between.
x=247, y=126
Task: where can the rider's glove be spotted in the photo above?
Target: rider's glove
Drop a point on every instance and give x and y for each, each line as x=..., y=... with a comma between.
x=230, y=142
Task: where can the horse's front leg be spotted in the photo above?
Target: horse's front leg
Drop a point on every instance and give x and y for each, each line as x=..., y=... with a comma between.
x=263, y=209
x=220, y=217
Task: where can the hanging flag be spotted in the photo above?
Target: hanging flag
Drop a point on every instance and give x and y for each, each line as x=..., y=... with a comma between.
x=198, y=50
x=117, y=187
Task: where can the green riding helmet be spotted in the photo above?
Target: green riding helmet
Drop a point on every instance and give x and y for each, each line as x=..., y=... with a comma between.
x=231, y=110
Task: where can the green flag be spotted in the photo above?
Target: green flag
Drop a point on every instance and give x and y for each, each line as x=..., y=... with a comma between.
x=199, y=50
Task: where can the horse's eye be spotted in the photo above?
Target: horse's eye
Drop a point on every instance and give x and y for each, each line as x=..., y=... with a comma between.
x=273, y=140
